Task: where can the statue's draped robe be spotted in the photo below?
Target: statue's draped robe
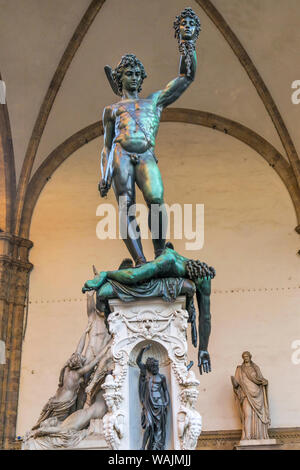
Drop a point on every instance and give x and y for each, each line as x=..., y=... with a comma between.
x=167, y=288
x=253, y=399
x=57, y=408
x=62, y=439
x=154, y=412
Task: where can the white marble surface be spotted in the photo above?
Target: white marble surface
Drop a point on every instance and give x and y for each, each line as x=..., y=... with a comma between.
x=164, y=325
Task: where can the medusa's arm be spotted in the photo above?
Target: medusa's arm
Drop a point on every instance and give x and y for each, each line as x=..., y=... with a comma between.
x=204, y=327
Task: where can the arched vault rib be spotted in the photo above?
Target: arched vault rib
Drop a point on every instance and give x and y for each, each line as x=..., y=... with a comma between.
x=190, y=116
x=7, y=172
x=48, y=101
x=257, y=81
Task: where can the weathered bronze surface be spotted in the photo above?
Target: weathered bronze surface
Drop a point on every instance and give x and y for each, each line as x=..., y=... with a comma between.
x=169, y=264
x=130, y=129
x=128, y=158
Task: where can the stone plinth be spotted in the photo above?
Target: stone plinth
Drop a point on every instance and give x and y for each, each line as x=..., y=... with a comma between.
x=258, y=444
x=164, y=325
x=92, y=442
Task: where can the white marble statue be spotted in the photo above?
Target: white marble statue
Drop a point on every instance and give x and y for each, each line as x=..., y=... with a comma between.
x=113, y=421
x=79, y=389
x=251, y=391
x=189, y=421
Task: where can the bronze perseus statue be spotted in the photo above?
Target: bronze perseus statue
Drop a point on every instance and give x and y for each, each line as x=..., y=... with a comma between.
x=130, y=129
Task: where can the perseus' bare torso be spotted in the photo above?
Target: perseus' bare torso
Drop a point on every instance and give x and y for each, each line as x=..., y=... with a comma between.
x=127, y=130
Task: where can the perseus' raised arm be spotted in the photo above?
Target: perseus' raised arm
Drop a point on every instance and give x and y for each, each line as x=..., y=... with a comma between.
x=176, y=87
x=188, y=66
x=187, y=28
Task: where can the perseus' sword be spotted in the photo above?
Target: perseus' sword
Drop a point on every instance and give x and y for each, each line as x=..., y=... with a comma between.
x=108, y=170
x=114, y=86
x=109, y=74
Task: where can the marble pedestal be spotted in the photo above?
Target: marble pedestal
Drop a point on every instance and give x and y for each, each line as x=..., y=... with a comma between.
x=92, y=442
x=258, y=444
x=92, y=439
x=133, y=325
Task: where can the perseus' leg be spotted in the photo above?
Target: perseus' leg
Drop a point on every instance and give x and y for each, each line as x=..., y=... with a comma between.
x=124, y=187
x=149, y=181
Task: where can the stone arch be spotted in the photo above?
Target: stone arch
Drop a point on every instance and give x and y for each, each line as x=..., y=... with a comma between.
x=46, y=106
x=7, y=172
x=257, y=81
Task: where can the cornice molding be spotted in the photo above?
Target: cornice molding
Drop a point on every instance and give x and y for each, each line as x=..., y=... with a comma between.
x=230, y=438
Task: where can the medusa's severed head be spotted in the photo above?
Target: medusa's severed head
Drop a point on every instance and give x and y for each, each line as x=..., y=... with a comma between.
x=128, y=64
x=187, y=25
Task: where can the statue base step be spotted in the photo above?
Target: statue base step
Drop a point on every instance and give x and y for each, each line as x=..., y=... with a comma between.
x=257, y=444
x=92, y=442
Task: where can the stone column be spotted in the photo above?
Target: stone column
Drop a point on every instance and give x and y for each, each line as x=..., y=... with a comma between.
x=14, y=276
x=164, y=325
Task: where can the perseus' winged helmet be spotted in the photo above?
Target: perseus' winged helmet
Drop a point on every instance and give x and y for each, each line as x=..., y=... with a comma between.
x=114, y=76
x=109, y=74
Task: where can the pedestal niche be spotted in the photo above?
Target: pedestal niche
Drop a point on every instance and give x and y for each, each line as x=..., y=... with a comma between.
x=133, y=325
